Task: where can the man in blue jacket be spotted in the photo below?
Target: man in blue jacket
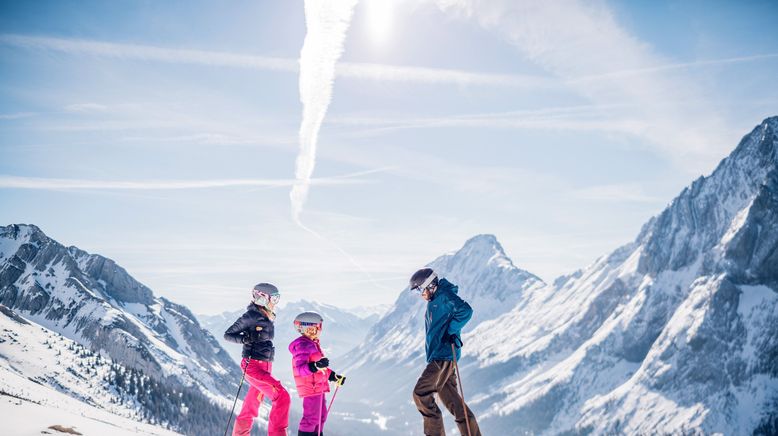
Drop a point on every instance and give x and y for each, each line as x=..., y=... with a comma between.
x=443, y=321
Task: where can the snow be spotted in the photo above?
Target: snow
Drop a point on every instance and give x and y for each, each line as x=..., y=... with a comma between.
x=29, y=409
x=736, y=224
x=43, y=374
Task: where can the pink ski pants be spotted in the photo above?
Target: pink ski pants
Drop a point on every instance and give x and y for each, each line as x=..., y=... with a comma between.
x=261, y=383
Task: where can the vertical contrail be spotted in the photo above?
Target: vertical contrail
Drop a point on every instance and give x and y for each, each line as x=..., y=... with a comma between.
x=327, y=22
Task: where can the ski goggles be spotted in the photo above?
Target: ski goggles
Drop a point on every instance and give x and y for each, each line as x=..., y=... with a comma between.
x=262, y=299
x=425, y=285
x=302, y=325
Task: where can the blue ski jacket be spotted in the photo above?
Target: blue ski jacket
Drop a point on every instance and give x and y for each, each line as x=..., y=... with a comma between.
x=446, y=314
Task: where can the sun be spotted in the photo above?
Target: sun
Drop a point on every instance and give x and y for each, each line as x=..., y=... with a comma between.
x=380, y=14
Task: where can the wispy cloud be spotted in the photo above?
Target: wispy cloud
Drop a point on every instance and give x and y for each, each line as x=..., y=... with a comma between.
x=604, y=118
x=674, y=67
x=583, y=45
x=149, y=53
x=86, y=107
x=617, y=192
x=362, y=71
x=213, y=138
x=14, y=182
x=16, y=116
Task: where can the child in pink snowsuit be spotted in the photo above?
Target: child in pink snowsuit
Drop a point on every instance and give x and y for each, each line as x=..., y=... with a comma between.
x=311, y=373
x=255, y=331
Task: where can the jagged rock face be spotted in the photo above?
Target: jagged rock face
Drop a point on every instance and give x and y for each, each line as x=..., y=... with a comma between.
x=701, y=215
x=707, y=254
x=752, y=255
x=674, y=332
x=118, y=283
x=92, y=300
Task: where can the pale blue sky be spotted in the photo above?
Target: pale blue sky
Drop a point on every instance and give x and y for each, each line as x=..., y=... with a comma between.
x=560, y=127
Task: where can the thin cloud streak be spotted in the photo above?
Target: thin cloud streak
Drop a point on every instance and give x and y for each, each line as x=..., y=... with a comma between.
x=361, y=71
x=605, y=118
x=149, y=53
x=16, y=116
x=673, y=67
x=617, y=193
x=13, y=182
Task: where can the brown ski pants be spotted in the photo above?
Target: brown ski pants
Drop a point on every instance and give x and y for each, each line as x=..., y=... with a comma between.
x=439, y=377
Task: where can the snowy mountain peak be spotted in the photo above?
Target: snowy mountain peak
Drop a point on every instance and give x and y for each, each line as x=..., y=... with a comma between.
x=94, y=302
x=704, y=213
x=483, y=242
x=487, y=279
x=673, y=333
x=475, y=266
x=758, y=149
x=484, y=248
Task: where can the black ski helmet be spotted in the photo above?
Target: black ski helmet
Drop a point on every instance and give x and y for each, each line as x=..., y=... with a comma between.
x=422, y=279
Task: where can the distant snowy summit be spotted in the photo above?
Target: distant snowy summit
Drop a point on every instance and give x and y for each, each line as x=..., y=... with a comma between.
x=91, y=300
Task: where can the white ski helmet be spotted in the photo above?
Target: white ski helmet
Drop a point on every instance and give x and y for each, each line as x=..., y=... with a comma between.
x=307, y=319
x=264, y=293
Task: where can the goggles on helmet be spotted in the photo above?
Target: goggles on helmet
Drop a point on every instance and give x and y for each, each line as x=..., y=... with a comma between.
x=262, y=299
x=425, y=285
x=303, y=326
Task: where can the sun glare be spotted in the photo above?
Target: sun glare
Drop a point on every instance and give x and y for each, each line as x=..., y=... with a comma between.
x=379, y=19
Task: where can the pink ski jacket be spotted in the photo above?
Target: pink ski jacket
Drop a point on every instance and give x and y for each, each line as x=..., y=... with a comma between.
x=304, y=351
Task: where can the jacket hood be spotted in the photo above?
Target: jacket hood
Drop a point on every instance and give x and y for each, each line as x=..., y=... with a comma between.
x=303, y=343
x=446, y=286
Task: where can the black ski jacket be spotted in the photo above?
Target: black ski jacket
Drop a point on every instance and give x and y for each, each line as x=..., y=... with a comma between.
x=254, y=317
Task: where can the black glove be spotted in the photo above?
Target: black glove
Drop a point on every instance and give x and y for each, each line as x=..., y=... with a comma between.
x=250, y=336
x=453, y=339
x=340, y=379
x=322, y=363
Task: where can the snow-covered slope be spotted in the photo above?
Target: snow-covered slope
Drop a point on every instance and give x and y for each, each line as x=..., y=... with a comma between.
x=48, y=380
x=89, y=299
x=675, y=332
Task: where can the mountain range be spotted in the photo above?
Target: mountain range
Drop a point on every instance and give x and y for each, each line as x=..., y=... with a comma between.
x=674, y=332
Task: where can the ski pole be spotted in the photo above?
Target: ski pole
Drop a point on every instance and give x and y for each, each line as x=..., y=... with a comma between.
x=321, y=404
x=240, y=385
x=461, y=389
x=332, y=400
